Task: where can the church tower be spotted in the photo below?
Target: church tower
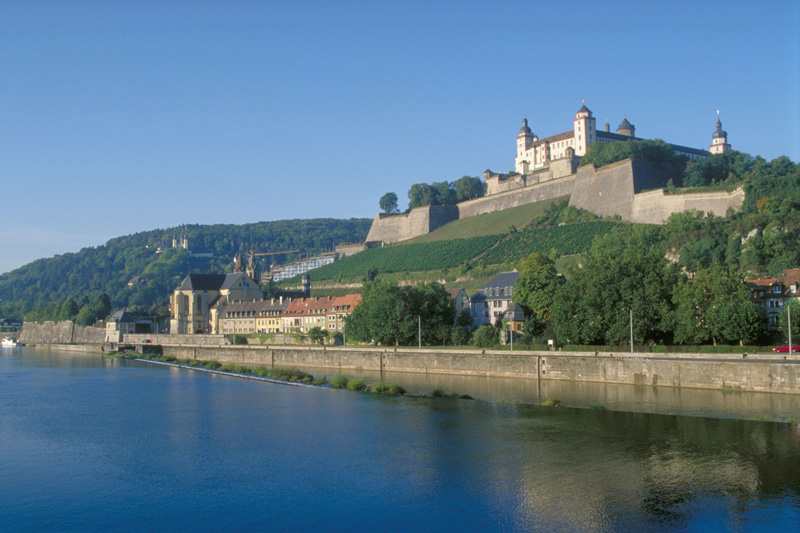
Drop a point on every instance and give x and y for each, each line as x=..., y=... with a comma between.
x=585, y=129
x=524, y=140
x=719, y=139
x=626, y=128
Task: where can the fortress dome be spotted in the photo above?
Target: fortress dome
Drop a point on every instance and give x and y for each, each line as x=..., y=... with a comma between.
x=525, y=130
x=720, y=133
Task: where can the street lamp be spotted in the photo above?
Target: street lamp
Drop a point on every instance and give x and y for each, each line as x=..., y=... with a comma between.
x=789, y=316
x=631, y=310
x=419, y=331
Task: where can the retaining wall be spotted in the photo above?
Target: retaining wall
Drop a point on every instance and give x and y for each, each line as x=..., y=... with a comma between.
x=762, y=373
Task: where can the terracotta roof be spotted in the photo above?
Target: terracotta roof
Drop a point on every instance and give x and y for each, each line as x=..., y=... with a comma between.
x=454, y=292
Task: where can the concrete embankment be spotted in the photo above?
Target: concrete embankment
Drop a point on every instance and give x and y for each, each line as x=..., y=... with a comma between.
x=758, y=373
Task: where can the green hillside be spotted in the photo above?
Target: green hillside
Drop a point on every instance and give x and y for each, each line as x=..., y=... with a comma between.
x=496, y=223
x=109, y=267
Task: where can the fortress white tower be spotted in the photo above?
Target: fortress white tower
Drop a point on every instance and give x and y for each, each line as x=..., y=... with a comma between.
x=719, y=139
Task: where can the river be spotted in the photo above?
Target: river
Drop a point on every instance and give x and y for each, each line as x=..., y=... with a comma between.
x=94, y=443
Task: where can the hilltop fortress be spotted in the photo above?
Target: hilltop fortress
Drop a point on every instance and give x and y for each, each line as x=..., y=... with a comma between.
x=549, y=168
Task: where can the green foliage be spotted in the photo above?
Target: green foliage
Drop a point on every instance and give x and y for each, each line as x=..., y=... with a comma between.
x=385, y=387
x=486, y=336
x=535, y=289
x=715, y=307
x=783, y=321
x=237, y=339
x=317, y=335
x=388, y=203
x=388, y=314
x=109, y=267
x=292, y=374
x=339, y=381
x=410, y=257
x=624, y=270
x=357, y=384
x=568, y=239
x=655, y=153
x=444, y=192
x=552, y=402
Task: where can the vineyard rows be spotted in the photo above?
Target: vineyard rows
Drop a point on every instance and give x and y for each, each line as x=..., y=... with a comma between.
x=438, y=255
x=566, y=240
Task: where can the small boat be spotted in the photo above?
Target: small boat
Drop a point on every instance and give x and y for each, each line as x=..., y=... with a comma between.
x=9, y=342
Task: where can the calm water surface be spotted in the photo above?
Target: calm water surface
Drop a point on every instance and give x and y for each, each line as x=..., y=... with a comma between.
x=94, y=443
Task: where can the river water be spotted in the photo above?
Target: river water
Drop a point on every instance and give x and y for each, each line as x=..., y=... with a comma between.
x=93, y=443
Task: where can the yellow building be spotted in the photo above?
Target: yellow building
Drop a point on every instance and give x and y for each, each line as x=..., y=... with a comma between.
x=200, y=299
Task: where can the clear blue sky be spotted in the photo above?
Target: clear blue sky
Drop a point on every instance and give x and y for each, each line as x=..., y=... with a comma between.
x=118, y=117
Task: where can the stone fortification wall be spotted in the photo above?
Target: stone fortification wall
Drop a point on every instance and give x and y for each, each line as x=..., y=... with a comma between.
x=655, y=207
x=606, y=191
x=419, y=221
x=526, y=195
x=704, y=371
x=47, y=333
x=64, y=332
x=167, y=338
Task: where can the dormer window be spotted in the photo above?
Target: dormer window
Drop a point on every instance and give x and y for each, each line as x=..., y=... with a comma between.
x=776, y=289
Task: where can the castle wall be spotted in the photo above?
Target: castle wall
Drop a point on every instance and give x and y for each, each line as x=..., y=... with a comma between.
x=606, y=191
x=419, y=221
x=522, y=196
x=655, y=207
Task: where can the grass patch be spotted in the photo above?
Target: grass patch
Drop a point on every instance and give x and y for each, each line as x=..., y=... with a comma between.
x=385, y=387
x=292, y=374
x=598, y=406
x=321, y=381
x=357, y=384
x=552, y=402
x=339, y=381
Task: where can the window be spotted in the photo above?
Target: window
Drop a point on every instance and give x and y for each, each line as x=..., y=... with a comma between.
x=776, y=289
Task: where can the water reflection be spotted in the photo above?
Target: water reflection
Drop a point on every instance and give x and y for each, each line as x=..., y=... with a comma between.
x=153, y=447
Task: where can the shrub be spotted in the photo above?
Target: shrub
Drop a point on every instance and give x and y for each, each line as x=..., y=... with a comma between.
x=486, y=336
x=291, y=374
x=466, y=397
x=598, y=406
x=439, y=392
x=553, y=402
x=357, y=384
x=384, y=387
x=339, y=381
x=320, y=381
x=228, y=367
x=263, y=372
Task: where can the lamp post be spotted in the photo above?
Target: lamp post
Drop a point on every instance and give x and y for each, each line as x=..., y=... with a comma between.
x=511, y=334
x=789, y=316
x=631, y=310
x=419, y=331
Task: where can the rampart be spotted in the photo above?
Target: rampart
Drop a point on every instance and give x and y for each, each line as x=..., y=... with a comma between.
x=418, y=221
x=513, y=198
x=64, y=332
x=629, y=189
x=655, y=207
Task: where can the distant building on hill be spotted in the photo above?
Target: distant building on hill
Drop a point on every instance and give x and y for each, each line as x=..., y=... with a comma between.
x=493, y=299
x=772, y=294
x=534, y=153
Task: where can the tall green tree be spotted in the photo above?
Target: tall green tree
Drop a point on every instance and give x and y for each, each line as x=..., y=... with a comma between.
x=624, y=270
x=388, y=203
x=715, y=307
x=468, y=188
x=783, y=321
x=535, y=289
x=392, y=315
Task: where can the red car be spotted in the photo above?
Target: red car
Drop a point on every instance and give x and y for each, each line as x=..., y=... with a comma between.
x=785, y=348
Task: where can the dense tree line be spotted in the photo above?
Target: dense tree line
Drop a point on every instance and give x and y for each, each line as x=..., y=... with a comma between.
x=109, y=267
x=445, y=192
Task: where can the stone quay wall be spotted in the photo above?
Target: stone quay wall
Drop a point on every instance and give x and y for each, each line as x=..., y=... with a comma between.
x=64, y=332
x=758, y=373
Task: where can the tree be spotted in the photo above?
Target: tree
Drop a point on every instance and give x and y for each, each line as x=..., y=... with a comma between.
x=388, y=203
x=486, y=336
x=624, y=270
x=535, y=289
x=421, y=194
x=468, y=188
x=392, y=315
x=783, y=321
x=715, y=307
x=445, y=194
x=317, y=335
